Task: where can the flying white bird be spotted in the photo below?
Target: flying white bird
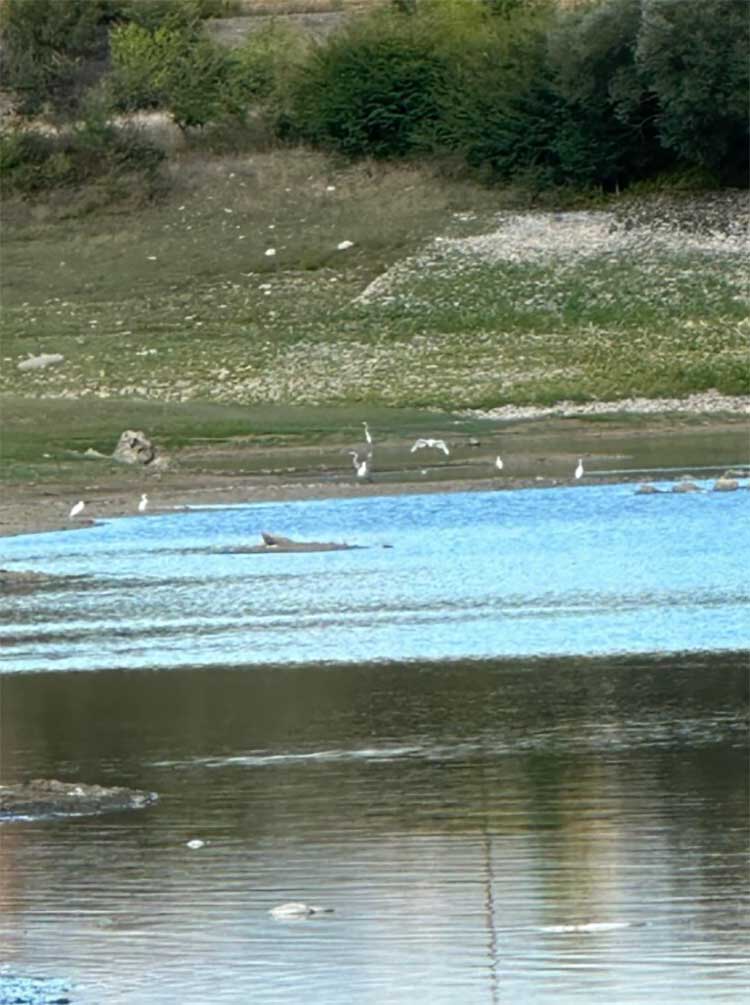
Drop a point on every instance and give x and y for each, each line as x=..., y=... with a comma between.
x=368, y=435
x=499, y=463
x=437, y=444
x=579, y=469
x=143, y=503
x=362, y=467
x=78, y=508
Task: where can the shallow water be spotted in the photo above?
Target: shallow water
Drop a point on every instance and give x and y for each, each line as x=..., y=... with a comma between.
x=551, y=831
x=584, y=570
x=541, y=828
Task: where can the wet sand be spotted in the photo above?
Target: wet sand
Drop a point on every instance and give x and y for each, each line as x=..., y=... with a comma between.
x=537, y=453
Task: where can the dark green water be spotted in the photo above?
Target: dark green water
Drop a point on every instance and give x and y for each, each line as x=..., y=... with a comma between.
x=558, y=831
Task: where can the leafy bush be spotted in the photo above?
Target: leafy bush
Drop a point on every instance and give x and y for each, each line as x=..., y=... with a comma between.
x=265, y=60
x=606, y=133
x=178, y=69
x=44, y=43
x=694, y=56
x=31, y=161
x=369, y=89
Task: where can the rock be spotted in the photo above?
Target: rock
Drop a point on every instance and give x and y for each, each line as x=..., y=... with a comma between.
x=134, y=447
x=51, y=798
x=686, y=487
x=276, y=544
x=40, y=362
x=23, y=581
x=725, y=484
x=18, y=990
x=90, y=452
x=647, y=490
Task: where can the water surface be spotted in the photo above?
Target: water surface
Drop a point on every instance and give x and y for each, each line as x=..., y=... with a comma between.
x=554, y=831
x=570, y=571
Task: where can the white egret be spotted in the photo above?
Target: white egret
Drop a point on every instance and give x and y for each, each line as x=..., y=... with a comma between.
x=368, y=435
x=143, y=503
x=499, y=463
x=362, y=467
x=78, y=508
x=579, y=469
x=436, y=444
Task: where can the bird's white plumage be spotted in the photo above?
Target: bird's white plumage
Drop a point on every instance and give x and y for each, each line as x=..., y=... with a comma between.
x=579, y=468
x=368, y=435
x=499, y=463
x=78, y=508
x=421, y=443
x=143, y=503
x=361, y=467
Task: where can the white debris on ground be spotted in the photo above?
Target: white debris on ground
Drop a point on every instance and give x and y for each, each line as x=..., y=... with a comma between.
x=703, y=226
x=706, y=401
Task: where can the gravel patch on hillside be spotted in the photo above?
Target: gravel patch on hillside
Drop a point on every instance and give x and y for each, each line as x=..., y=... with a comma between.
x=714, y=225
x=707, y=402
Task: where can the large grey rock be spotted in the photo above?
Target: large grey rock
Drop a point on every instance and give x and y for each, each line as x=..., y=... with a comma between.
x=647, y=490
x=134, y=447
x=686, y=487
x=40, y=362
x=45, y=797
x=725, y=484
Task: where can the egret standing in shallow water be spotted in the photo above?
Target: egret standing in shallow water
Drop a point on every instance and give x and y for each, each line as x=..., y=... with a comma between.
x=143, y=503
x=579, y=468
x=77, y=509
x=362, y=467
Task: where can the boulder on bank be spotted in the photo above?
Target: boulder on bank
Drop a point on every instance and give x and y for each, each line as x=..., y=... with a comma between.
x=45, y=797
x=686, y=487
x=134, y=447
x=725, y=484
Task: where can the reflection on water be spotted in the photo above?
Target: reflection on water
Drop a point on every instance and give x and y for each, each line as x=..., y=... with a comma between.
x=529, y=831
x=584, y=570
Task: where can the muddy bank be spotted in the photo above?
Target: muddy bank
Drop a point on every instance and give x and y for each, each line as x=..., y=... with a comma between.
x=537, y=452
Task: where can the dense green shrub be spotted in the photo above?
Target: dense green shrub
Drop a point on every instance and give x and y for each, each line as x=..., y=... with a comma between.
x=44, y=45
x=694, y=56
x=369, y=90
x=178, y=69
x=606, y=133
x=31, y=161
x=266, y=59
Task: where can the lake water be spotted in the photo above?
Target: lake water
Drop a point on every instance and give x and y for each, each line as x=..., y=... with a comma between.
x=510, y=751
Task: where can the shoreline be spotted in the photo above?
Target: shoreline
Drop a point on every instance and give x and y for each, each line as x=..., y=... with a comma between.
x=538, y=452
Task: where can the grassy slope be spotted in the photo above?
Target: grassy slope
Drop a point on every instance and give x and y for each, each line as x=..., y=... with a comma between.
x=179, y=302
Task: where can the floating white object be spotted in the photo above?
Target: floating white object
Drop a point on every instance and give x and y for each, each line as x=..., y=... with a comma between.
x=295, y=909
x=195, y=844
x=270, y=252
x=588, y=926
x=78, y=508
x=343, y=245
